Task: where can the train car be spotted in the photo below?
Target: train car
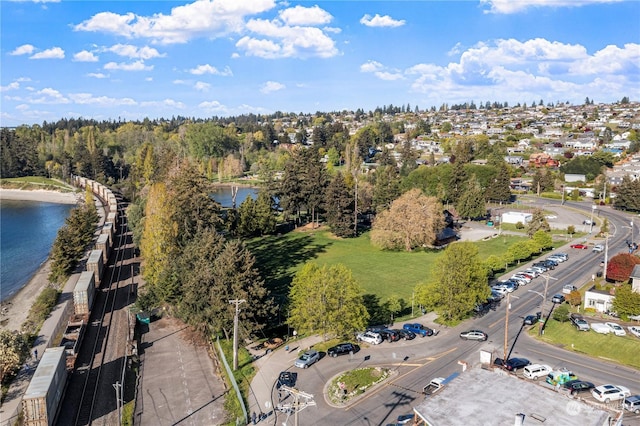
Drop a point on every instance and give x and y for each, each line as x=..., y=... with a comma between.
x=107, y=228
x=113, y=218
x=41, y=401
x=95, y=265
x=84, y=293
x=102, y=243
x=72, y=339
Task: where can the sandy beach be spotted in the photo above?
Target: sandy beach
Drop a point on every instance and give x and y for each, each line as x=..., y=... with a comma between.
x=14, y=311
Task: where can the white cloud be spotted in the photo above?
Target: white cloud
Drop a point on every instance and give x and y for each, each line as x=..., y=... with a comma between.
x=300, y=15
x=53, y=53
x=90, y=99
x=85, y=56
x=272, y=86
x=11, y=86
x=389, y=76
x=135, y=52
x=202, y=18
x=133, y=66
x=371, y=66
x=235, y=55
x=286, y=42
x=179, y=82
x=49, y=96
x=212, y=106
x=97, y=75
x=511, y=6
x=208, y=69
x=36, y=1
x=381, y=21
x=202, y=86
x=171, y=103
x=25, y=49
x=530, y=69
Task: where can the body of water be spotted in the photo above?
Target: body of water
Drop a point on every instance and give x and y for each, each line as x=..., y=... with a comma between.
x=223, y=195
x=27, y=232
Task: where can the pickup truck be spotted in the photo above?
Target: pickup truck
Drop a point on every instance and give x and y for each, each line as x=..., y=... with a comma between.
x=419, y=329
x=436, y=384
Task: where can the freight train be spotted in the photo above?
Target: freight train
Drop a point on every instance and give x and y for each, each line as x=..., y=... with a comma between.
x=42, y=399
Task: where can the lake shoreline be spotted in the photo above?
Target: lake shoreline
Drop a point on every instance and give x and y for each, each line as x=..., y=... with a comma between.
x=14, y=310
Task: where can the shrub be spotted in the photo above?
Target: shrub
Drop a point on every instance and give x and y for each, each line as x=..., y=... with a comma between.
x=561, y=313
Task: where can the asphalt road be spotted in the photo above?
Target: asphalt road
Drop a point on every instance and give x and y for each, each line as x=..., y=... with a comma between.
x=416, y=362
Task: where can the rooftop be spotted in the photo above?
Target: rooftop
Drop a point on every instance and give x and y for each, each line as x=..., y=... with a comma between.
x=483, y=397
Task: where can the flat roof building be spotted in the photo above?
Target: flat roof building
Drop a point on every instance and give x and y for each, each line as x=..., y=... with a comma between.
x=485, y=397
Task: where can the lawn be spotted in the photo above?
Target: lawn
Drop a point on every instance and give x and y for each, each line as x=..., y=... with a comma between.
x=619, y=349
x=34, y=182
x=379, y=272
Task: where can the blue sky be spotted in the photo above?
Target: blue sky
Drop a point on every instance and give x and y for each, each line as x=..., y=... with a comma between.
x=137, y=59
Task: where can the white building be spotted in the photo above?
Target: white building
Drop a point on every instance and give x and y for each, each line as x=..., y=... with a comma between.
x=515, y=217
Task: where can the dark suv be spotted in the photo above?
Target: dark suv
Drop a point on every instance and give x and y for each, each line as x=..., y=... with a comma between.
x=343, y=349
x=287, y=378
x=418, y=329
x=576, y=386
x=533, y=318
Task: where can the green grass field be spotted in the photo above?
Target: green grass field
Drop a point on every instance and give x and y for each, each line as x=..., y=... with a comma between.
x=619, y=349
x=35, y=182
x=383, y=273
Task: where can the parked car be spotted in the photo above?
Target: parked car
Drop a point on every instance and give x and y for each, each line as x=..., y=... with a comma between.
x=598, y=248
x=532, y=272
x=565, y=256
x=343, y=349
x=406, y=334
x=474, y=335
x=287, y=378
x=369, y=337
x=405, y=419
x=538, y=269
x=550, y=263
x=579, y=322
x=560, y=376
x=512, y=364
x=601, y=328
x=557, y=298
x=307, y=359
x=535, y=371
x=608, y=393
x=533, y=318
x=419, y=329
x=635, y=330
x=588, y=222
x=576, y=386
x=566, y=289
x=616, y=329
x=557, y=258
x=502, y=289
x=632, y=403
x=540, y=265
x=522, y=277
x=580, y=246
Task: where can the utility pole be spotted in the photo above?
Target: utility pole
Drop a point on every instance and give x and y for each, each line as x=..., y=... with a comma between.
x=606, y=255
x=237, y=302
x=547, y=277
x=117, y=387
x=506, y=328
x=301, y=400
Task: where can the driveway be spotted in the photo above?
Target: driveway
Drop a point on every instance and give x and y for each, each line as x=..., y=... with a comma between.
x=178, y=382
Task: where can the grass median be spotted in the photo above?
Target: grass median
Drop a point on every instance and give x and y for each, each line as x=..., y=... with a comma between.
x=619, y=349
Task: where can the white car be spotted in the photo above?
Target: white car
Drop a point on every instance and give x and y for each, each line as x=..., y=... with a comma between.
x=521, y=277
x=531, y=272
x=500, y=289
x=535, y=371
x=616, y=329
x=635, y=330
x=608, y=393
x=557, y=258
x=598, y=248
x=601, y=328
x=370, y=337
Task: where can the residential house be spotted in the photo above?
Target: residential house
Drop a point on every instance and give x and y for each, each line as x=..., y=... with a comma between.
x=600, y=300
x=542, y=159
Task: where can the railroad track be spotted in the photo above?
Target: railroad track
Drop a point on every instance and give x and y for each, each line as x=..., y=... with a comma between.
x=90, y=397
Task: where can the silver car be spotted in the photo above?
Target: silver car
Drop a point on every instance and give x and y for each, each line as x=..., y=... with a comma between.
x=307, y=359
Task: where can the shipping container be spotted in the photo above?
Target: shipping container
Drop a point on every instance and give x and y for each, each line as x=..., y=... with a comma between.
x=107, y=228
x=84, y=293
x=113, y=218
x=41, y=401
x=95, y=265
x=102, y=243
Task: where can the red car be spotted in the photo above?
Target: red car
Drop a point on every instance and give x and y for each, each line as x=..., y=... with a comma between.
x=580, y=246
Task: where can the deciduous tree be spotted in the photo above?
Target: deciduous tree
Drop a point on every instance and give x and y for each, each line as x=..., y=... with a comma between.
x=627, y=302
x=326, y=300
x=620, y=266
x=413, y=220
x=538, y=223
x=13, y=350
x=458, y=282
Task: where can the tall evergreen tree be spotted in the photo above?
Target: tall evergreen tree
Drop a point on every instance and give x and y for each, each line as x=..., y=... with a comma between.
x=500, y=190
x=339, y=207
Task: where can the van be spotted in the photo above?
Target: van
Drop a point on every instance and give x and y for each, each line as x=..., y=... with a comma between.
x=535, y=371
